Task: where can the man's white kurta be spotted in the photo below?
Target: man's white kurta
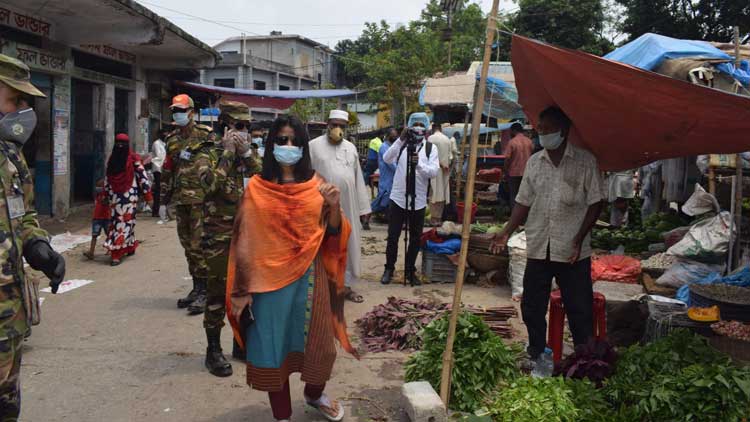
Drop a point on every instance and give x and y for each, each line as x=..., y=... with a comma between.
x=339, y=165
x=441, y=183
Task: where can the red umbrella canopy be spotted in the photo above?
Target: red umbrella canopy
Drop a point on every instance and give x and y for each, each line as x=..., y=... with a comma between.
x=625, y=116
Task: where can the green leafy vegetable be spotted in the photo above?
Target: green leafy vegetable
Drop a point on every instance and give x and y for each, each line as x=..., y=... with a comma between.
x=481, y=360
x=680, y=378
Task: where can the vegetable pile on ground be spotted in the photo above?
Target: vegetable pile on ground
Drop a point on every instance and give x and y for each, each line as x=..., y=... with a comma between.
x=594, y=361
x=636, y=238
x=553, y=399
x=481, y=360
x=397, y=324
x=679, y=378
x=732, y=329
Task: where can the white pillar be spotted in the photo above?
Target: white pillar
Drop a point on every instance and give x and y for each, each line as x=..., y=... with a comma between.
x=108, y=111
x=61, y=147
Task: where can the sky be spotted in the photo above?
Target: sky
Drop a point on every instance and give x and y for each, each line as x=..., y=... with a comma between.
x=325, y=21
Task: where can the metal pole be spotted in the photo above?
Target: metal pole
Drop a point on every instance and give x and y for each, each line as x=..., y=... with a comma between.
x=735, y=258
x=445, y=380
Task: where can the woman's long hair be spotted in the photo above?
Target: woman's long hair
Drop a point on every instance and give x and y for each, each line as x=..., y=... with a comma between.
x=303, y=170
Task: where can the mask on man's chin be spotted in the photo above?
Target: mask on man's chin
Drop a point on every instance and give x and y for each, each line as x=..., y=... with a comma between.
x=336, y=135
x=18, y=126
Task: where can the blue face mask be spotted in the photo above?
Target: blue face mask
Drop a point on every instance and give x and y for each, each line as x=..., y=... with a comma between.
x=181, y=119
x=287, y=155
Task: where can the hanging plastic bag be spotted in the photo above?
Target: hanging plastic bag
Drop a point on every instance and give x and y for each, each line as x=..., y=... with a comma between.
x=707, y=241
x=685, y=272
x=517, y=265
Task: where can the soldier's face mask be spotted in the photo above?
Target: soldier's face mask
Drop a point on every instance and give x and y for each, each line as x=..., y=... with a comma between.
x=18, y=126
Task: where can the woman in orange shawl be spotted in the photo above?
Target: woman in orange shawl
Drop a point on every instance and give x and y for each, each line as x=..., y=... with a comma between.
x=285, y=281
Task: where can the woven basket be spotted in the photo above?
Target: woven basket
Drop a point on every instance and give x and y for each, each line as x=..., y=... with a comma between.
x=707, y=295
x=738, y=350
x=485, y=262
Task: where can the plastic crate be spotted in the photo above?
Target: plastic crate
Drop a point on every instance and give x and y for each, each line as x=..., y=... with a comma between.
x=437, y=268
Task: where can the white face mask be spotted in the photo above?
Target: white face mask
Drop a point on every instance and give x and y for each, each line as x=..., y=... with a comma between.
x=551, y=141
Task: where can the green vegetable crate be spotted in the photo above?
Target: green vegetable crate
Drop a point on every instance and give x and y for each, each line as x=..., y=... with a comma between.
x=438, y=268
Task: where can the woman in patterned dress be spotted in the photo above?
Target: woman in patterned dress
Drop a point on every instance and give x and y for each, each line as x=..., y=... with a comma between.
x=126, y=181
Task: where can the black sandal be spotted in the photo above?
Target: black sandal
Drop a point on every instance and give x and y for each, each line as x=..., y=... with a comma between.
x=353, y=296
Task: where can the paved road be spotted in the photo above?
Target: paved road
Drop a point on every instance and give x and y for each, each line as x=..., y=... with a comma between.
x=119, y=349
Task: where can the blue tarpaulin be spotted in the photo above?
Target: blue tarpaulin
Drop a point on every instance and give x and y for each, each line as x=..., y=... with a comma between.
x=450, y=131
x=501, y=100
x=741, y=279
x=649, y=50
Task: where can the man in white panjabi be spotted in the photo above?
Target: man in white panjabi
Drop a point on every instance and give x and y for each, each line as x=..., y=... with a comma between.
x=336, y=160
x=440, y=184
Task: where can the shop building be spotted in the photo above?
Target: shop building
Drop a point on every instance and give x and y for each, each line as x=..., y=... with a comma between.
x=275, y=62
x=106, y=67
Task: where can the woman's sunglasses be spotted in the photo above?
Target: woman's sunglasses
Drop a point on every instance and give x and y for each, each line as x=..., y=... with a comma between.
x=282, y=140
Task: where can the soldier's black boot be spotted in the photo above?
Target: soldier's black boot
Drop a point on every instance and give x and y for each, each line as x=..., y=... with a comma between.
x=190, y=298
x=215, y=361
x=199, y=304
x=237, y=351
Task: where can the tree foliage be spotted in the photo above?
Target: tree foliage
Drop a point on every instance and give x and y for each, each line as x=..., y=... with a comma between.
x=392, y=63
x=710, y=20
x=576, y=24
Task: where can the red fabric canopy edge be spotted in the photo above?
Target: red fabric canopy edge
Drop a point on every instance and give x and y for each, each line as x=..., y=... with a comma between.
x=625, y=116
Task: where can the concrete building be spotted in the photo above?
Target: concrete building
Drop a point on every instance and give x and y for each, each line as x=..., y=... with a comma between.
x=106, y=66
x=276, y=62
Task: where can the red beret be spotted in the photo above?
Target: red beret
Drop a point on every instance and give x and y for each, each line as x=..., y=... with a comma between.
x=122, y=137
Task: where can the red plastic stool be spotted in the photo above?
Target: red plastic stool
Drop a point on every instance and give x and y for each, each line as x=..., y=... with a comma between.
x=557, y=322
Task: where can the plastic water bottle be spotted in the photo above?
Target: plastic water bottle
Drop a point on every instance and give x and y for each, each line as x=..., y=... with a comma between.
x=544, y=365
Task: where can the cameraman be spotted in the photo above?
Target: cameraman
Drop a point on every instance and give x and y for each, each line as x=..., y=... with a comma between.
x=424, y=160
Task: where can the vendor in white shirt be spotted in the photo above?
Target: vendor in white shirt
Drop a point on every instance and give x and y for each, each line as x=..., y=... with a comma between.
x=158, y=155
x=400, y=210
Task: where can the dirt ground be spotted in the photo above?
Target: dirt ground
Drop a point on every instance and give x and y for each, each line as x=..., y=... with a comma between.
x=119, y=349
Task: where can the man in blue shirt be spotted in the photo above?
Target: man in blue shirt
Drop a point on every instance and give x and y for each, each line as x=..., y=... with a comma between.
x=385, y=183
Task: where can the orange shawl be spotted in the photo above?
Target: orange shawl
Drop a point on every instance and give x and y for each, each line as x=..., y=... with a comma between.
x=278, y=232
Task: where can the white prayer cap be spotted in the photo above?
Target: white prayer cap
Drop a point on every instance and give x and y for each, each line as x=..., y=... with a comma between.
x=339, y=114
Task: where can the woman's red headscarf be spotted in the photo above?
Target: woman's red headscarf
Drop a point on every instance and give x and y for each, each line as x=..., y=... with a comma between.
x=121, y=165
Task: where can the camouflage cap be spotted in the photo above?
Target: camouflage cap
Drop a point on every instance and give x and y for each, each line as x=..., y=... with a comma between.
x=17, y=75
x=235, y=109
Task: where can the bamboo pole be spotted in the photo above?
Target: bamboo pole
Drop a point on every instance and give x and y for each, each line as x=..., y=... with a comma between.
x=735, y=258
x=445, y=380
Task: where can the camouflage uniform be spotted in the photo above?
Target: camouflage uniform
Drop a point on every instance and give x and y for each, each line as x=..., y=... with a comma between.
x=223, y=175
x=14, y=234
x=19, y=232
x=180, y=185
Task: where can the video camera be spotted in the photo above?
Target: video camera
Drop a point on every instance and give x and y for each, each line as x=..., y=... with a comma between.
x=415, y=135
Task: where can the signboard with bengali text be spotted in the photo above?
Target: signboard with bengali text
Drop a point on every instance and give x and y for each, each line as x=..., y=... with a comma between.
x=26, y=22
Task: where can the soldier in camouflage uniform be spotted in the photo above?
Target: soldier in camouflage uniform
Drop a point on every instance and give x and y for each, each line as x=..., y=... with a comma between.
x=20, y=234
x=223, y=173
x=180, y=186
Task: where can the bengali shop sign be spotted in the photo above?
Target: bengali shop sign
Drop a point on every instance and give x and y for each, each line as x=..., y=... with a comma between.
x=109, y=52
x=25, y=22
x=38, y=59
